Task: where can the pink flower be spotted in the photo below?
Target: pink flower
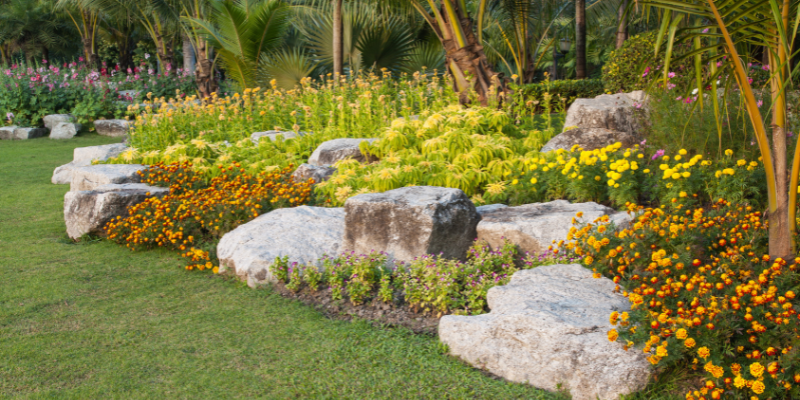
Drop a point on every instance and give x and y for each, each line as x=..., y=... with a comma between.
x=646, y=71
x=44, y=61
x=80, y=59
x=658, y=154
x=765, y=67
x=671, y=74
x=705, y=30
x=760, y=103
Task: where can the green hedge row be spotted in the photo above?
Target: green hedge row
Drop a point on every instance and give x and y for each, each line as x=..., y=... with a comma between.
x=569, y=90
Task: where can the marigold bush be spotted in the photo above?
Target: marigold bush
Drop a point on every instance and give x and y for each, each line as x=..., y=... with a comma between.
x=703, y=294
x=195, y=214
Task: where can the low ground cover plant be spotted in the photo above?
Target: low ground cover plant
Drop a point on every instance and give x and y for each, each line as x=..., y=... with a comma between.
x=704, y=296
x=431, y=285
x=195, y=214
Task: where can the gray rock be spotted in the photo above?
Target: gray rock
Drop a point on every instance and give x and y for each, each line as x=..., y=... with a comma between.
x=304, y=234
x=638, y=96
x=547, y=327
x=29, y=133
x=589, y=139
x=273, y=135
x=87, y=212
x=615, y=112
x=112, y=127
x=305, y=172
x=489, y=208
x=64, y=130
x=50, y=121
x=7, y=132
x=83, y=156
x=534, y=227
x=410, y=222
x=94, y=176
x=328, y=153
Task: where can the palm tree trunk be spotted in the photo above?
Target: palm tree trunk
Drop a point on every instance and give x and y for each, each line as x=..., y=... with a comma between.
x=622, y=28
x=580, y=39
x=204, y=74
x=188, y=55
x=338, y=43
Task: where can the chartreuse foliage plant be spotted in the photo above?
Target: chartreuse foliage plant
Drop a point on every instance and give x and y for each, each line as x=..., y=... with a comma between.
x=429, y=284
x=704, y=293
x=195, y=214
x=464, y=148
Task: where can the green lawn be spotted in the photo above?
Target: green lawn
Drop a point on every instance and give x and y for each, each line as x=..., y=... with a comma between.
x=94, y=320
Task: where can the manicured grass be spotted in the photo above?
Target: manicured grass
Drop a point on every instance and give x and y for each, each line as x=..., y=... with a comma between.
x=94, y=320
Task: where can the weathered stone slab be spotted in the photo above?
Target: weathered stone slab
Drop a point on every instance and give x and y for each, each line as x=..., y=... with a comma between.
x=112, y=127
x=304, y=234
x=589, y=139
x=547, y=327
x=50, y=121
x=29, y=133
x=64, y=130
x=616, y=112
x=93, y=176
x=410, y=222
x=328, y=153
x=273, y=135
x=87, y=212
x=305, y=172
x=7, y=132
x=83, y=156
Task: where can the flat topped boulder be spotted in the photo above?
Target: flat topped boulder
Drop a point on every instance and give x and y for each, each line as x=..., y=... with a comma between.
x=273, y=135
x=547, y=327
x=17, y=133
x=112, y=127
x=50, y=121
x=319, y=174
x=589, y=139
x=84, y=156
x=304, y=234
x=534, y=227
x=88, y=211
x=616, y=112
x=64, y=130
x=328, y=153
x=411, y=222
x=7, y=132
x=93, y=176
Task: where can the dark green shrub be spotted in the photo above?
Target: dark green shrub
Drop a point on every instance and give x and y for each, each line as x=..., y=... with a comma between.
x=569, y=90
x=626, y=66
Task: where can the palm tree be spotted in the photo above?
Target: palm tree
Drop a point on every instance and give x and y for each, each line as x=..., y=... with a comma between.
x=580, y=39
x=338, y=66
x=85, y=18
x=720, y=31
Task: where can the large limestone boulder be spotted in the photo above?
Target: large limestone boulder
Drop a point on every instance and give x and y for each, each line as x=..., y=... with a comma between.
x=112, y=127
x=7, y=132
x=589, y=139
x=273, y=135
x=410, y=222
x=616, y=112
x=547, y=327
x=305, y=172
x=328, y=153
x=304, y=234
x=87, y=212
x=50, y=121
x=94, y=176
x=534, y=227
x=65, y=130
x=83, y=156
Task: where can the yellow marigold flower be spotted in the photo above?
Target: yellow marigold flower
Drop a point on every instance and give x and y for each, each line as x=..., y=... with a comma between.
x=728, y=152
x=758, y=387
x=756, y=369
x=613, y=335
x=703, y=352
x=681, y=334
x=689, y=343
x=682, y=152
x=614, y=317
x=739, y=382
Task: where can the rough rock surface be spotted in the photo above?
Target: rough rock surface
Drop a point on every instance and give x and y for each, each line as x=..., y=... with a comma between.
x=7, y=132
x=534, y=227
x=112, y=127
x=305, y=172
x=83, y=156
x=549, y=326
x=50, y=121
x=29, y=133
x=94, y=176
x=304, y=234
x=410, y=222
x=589, y=139
x=64, y=130
x=273, y=135
x=334, y=150
x=90, y=210
x=615, y=112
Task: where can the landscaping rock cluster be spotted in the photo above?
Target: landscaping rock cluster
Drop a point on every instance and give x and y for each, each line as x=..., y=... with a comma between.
x=57, y=126
x=17, y=133
x=604, y=120
x=330, y=152
x=85, y=156
x=548, y=327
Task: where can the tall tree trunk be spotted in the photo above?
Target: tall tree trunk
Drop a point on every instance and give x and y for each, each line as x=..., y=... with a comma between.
x=580, y=39
x=125, y=54
x=338, y=43
x=204, y=74
x=188, y=55
x=468, y=59
x=622, y=27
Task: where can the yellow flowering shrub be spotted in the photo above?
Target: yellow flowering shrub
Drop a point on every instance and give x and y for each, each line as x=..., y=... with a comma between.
x=194, y=215
x=703, y=293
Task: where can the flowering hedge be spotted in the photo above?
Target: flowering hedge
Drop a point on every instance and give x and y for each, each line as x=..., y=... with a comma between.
x=703, y=294
x=27, y=93
x=194, y=215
